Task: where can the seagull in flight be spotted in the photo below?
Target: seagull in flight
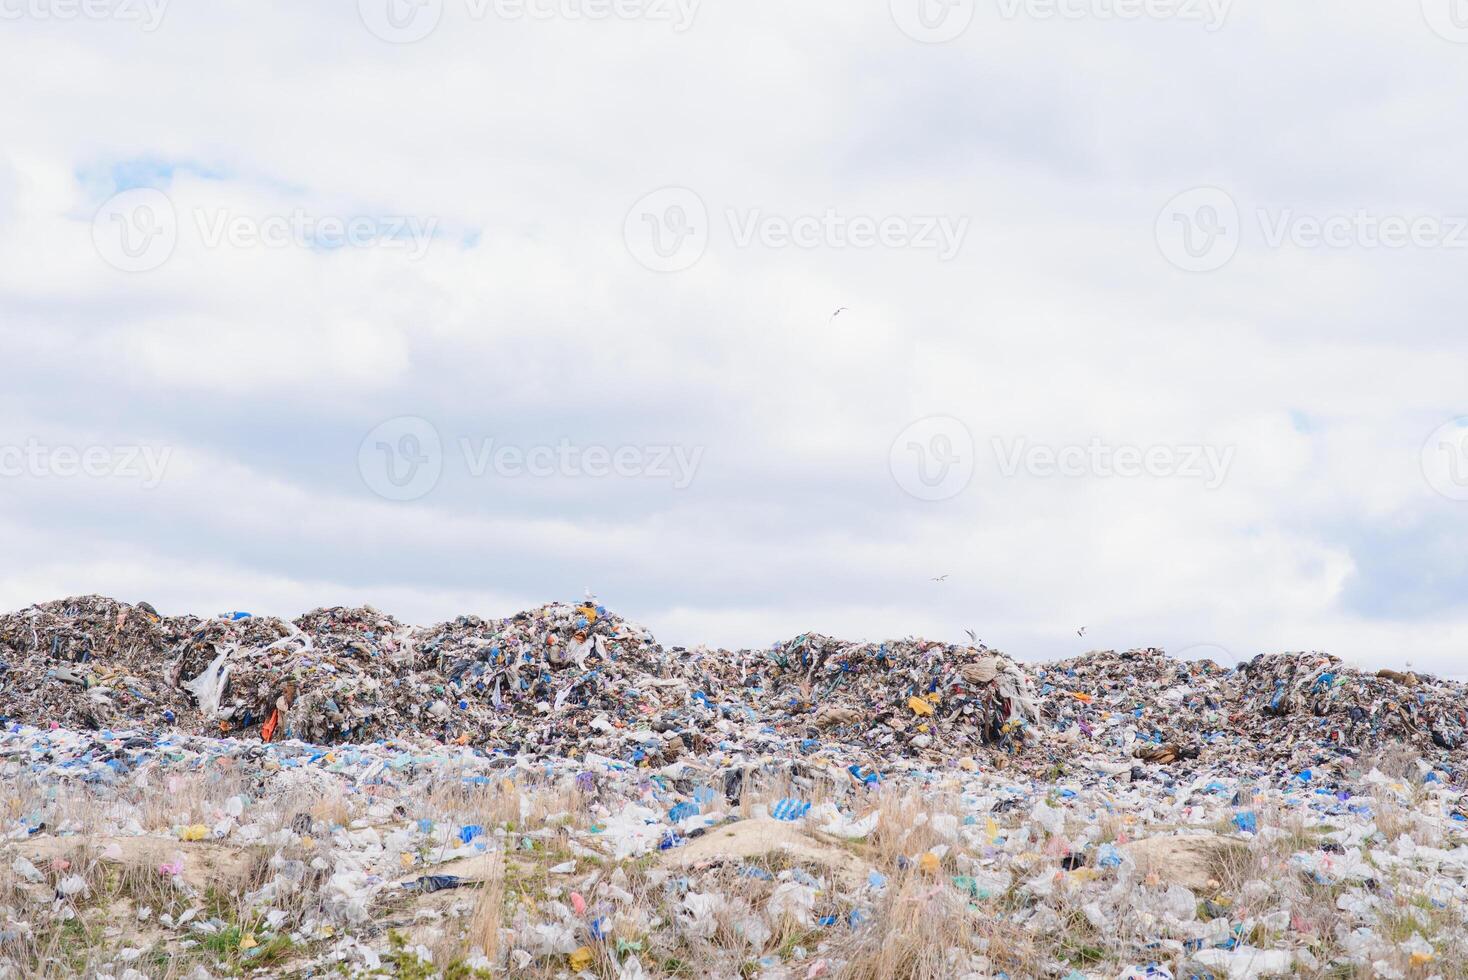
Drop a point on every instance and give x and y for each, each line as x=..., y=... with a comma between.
x=839, y=310
x=939, y=578
x=1081, y=631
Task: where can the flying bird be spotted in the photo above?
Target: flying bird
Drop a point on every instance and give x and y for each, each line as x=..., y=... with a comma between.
x=939, y=578
x=1081, y=631
x=839, y=310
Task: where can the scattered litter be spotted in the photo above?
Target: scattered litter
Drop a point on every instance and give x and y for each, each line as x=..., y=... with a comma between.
x=776, y=810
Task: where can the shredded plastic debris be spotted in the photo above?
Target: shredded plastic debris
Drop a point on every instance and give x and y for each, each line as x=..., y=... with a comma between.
x=556, y=794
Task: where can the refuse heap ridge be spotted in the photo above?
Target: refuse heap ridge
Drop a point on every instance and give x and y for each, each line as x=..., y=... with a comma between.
x=572, y=678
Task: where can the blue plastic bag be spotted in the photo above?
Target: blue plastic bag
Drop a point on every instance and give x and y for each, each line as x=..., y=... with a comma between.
x=788, y=809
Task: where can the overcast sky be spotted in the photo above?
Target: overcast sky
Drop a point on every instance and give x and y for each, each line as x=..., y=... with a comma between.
x=1151, y=315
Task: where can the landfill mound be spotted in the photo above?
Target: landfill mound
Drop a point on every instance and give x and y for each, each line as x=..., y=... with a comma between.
x=1316, y=693
x=1273, y=709
x=556, y=794
x=566, y=678
x=87, y=661
x=911, y=693
x=569, y=679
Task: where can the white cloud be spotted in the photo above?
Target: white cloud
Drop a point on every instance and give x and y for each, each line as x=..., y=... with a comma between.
x=528, y=320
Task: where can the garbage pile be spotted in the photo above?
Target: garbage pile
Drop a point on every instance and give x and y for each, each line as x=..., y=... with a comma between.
x=318, y=678
x=1316, y=696
x=566, y=678
x=555, y=794
x=1140, y=704
x=562, y=676
x=84, y=661
x=572, y=678
x=1289, y=710
x=907, y=696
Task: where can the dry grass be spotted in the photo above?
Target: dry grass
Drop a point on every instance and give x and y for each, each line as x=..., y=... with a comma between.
x=921, y=925
x=922, y=931
x=481, y=932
